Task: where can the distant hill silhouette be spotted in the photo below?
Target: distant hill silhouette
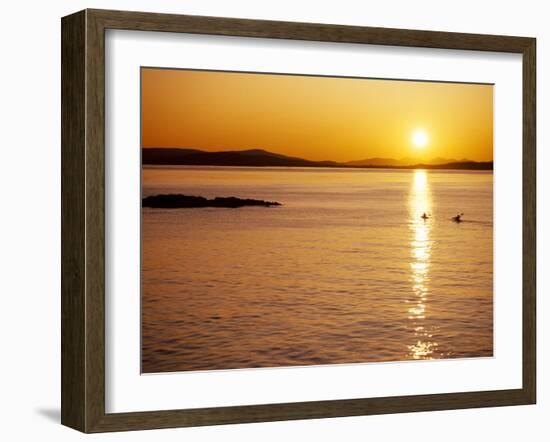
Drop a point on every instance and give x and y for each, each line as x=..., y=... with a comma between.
x=264, y=158
x=378, y=162
x=251, y=157
x=404, y=161
x=458, y=165
x=165, y=155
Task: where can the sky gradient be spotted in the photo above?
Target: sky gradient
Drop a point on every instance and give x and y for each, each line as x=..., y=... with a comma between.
x=316, y=118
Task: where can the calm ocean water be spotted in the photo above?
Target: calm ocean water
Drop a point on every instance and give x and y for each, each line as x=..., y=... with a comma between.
x=345, y=271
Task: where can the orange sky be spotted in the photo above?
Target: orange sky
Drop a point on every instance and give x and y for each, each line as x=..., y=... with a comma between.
x=317, y=118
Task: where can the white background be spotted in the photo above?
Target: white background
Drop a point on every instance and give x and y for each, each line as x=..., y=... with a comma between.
x=30, y=218
x=128, y=391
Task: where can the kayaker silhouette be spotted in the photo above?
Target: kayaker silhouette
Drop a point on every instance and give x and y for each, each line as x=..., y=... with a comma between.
x=458, y=217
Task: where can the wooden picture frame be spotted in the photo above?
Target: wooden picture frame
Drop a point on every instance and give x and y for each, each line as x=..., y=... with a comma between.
x=83, y=220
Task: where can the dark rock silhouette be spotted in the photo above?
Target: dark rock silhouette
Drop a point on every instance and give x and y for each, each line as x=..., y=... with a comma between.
x=178, y=201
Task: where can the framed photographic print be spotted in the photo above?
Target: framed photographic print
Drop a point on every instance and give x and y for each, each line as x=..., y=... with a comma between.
x=269, y=220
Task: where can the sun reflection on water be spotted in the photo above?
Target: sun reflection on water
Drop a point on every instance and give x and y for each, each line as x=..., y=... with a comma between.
x=420, y=204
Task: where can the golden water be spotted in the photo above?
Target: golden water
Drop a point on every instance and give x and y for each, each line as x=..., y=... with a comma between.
x=346, y=271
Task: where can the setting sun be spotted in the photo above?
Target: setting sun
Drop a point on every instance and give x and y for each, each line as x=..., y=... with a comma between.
x=420, y=138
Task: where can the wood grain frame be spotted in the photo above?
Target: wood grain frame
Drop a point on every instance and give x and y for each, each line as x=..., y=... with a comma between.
x=83, y=220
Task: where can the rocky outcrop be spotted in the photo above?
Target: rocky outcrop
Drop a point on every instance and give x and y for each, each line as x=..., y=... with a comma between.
x=178, y=201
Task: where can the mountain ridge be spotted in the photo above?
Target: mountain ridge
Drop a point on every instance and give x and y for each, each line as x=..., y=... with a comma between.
x=264, y=158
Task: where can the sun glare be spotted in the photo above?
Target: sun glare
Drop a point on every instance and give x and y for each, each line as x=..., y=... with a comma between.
x=420, y=138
